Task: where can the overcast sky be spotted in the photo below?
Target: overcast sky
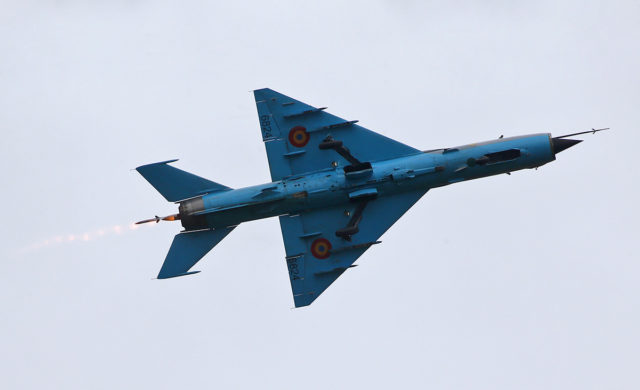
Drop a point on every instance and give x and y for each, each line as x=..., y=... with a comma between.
x=528, y=281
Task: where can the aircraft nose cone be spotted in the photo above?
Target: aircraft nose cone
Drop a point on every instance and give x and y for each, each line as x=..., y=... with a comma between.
x=560, y=144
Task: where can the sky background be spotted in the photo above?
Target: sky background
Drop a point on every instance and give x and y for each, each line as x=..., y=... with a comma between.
x=528, y=281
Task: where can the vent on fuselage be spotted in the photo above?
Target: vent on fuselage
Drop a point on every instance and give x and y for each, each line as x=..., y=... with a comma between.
x=497, y=157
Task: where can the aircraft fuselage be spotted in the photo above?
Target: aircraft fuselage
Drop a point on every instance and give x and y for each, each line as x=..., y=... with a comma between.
x=332, y=186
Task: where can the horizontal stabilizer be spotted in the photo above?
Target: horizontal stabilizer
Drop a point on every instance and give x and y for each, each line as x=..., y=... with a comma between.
x=175, y=184
x=187, y=249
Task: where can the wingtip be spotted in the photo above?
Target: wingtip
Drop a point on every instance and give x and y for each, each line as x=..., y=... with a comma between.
x=157, y=163
x=304, y=299
x=262, y=93
x=169, y=275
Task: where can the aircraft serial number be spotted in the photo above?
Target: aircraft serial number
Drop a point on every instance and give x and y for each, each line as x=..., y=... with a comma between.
x=265, y=125
x=294, y=271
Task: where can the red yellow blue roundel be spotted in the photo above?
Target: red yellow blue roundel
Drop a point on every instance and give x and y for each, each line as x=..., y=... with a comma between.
x=321, y=248
x=298, y=136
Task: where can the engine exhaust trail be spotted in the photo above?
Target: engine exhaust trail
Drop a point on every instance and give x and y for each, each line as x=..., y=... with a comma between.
x=82, y=237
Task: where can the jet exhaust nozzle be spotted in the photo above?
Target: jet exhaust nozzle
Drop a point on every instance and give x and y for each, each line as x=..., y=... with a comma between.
x=560, y=144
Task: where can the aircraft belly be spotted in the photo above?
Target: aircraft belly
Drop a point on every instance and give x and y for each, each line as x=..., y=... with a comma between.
x=329, y=188
x=235, y=216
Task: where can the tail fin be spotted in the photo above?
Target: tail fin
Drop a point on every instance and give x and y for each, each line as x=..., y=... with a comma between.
x=175, y=184
x=188, y=248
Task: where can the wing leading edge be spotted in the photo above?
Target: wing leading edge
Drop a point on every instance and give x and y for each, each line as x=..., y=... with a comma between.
x=292, y=131
x=316, y=257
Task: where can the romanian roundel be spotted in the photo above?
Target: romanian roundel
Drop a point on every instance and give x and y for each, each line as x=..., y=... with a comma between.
x=321, y=248
x=298, y=136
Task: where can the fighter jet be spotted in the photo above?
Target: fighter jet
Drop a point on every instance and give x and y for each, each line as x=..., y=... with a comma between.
x=335, y=186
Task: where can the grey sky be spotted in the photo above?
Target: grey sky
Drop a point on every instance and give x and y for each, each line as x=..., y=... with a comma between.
x=528, y=281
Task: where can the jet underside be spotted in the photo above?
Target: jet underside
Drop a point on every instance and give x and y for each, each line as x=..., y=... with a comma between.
x=336, y=188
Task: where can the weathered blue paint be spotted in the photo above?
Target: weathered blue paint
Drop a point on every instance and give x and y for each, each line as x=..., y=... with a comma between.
x=333, y=202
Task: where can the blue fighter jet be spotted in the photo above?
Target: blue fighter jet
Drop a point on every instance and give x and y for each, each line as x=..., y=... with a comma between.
x=336, y=188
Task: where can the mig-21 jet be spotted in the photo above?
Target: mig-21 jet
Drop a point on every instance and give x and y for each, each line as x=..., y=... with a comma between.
x=335, y=186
